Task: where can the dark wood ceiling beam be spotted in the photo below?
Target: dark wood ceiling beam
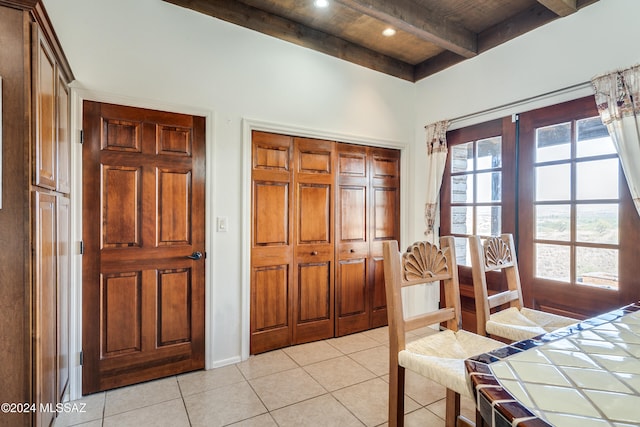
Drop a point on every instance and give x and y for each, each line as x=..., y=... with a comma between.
x=250, y=17
x=407, y=16
x=526, y=21
x=560, y=7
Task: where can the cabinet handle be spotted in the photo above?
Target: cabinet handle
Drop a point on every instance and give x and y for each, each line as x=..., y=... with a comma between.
x=352, y=250
x=314, y=253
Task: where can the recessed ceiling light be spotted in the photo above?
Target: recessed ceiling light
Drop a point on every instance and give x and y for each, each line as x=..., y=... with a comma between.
x=388, y=32
x=321, y=3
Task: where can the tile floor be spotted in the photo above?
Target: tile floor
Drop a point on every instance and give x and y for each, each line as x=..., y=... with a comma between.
x=337, y=382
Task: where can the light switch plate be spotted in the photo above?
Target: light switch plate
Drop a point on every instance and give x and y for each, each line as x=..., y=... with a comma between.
x=222, y=223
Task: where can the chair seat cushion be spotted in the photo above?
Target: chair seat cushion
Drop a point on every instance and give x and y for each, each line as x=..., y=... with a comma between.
x=517, y=325
x=440, y=357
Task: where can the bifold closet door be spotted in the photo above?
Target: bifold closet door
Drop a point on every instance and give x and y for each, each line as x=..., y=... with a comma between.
x=384, y=167
x=353, y=305
x=313, y=290
x=272, y=260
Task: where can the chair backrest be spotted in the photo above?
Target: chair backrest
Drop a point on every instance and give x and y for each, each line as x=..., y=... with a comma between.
x=497, y=253
x=422, y=263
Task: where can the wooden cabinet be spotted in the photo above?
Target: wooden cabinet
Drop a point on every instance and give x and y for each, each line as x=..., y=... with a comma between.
x=35, y=215
x=320, y=210
x=51, y=226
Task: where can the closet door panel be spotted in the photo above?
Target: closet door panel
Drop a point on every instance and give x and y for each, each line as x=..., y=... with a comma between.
x=313, y=295
x=271, y=319
x=352, y=239
x=385, y=209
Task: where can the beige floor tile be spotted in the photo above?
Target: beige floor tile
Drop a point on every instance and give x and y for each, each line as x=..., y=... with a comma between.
x=369, y=401
x=266, y=364
x=285, y=388
x=306, y=354
x=141, y=395
x=379, y=334
x=199, y=381
x=422, y=390
x=352, y=343
x=467, y=408
x=320, y=411
x=338, y=373
x=421, y=418
x=375, y=359
x=170, y=414
x=264, y=420
x=224, y=405
x=89, y=408
x=94, y=423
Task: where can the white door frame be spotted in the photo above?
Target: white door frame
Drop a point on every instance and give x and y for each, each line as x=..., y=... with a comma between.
x=249, y=125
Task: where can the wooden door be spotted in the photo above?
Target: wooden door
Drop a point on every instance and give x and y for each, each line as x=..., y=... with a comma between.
x=45, y=342
x=353, y=305
x=271, y=242
x=313, y=276
x=143, y=233
x=385, y=223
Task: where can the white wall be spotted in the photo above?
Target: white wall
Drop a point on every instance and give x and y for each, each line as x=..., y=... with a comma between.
x=599, y=38
x=151, y=53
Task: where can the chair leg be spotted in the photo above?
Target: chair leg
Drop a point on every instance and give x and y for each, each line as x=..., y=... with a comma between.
x=479, y=419
x=453, y=408
x=396, y=396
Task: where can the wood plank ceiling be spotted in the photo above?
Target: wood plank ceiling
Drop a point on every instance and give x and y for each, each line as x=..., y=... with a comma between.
x=431, y=35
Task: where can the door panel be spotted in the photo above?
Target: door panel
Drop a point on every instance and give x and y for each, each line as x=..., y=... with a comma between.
x=313, y=295
x=272, y=248
x=45, y=258
x=143, y=298
x=64, y=282
x=45, y=82
x=352, y=240
x=385, y=184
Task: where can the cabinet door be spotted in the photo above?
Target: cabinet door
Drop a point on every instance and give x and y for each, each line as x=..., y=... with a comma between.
x=313, y=290
x=63, y=293
x=45, y=105
x=352, y=240
x=385, y=222
x=45, y=295
x=63, y=151
x=271, y=242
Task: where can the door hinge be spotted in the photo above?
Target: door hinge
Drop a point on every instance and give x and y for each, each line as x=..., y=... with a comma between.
x=81, y=247
x=81, y=136
x=81, y=358
x=515, y=118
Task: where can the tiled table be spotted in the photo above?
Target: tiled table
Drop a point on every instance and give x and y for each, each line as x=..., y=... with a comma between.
x=586, y=375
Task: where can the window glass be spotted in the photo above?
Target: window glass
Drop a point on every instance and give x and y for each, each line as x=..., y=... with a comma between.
x=597, y=180
x=553, y=262
x=553, y=182
x=597, y=223
x=461, y=157
x=553, y=142
x=553, y=222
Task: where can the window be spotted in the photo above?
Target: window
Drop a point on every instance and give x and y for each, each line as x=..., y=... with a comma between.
x=553, y=179
x=475, y=185
x=576, y=204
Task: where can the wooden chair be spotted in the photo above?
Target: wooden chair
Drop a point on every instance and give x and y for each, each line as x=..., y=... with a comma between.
x=439, y=356
x=517, y=322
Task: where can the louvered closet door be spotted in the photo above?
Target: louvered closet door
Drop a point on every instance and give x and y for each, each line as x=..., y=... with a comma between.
x=313, y=278
x=271, y=242
x=353, y=305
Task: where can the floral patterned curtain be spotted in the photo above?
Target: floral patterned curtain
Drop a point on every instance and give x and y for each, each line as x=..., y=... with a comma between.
x=618, y=100
x=436, y=160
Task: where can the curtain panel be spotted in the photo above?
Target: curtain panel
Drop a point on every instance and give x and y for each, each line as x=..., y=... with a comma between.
x=617, y=97
x=436, y=160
